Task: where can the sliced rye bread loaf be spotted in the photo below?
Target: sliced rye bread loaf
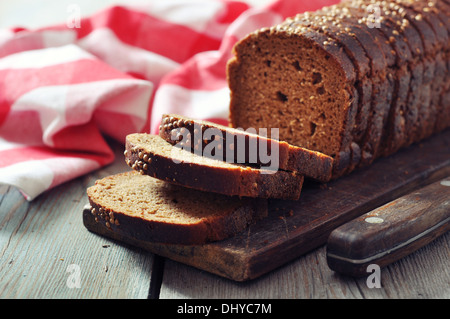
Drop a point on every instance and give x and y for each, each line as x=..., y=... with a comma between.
x=243, y=147
x=263, y=58
x=152, y=155
x=148, y=209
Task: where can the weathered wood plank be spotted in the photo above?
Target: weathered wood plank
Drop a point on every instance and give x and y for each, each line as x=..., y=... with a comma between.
x=39, y=241
x=423, y=274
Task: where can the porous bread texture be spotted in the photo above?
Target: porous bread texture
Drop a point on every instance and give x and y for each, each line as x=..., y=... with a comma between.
x=292, y=76
x=149, y=209
x=152, y=155
x=280, y=79
x=245, y=147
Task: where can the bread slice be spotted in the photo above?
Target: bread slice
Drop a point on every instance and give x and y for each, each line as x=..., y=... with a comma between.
x=148, y=209
x=152, y=155
x=238, y=146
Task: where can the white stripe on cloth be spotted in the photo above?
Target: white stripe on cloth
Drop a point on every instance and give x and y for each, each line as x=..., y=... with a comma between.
x=199, y=15
x=35, y=59
x=68, y=105
x=127, y=58
x=24, y=40
x=33, y=177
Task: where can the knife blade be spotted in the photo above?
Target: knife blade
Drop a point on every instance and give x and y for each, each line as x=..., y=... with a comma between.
x=392, y=231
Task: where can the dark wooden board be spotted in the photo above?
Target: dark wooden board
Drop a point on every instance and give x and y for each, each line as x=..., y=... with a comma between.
x=296, y=227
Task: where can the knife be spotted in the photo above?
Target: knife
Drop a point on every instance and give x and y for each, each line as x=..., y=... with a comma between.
x=390, y=232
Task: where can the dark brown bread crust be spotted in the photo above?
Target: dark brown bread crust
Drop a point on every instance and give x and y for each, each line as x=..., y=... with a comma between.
x=240, y=213
x=443, y=112
x=441, y=25
x=396, y=131
x=434, y=71
x=409, y=74
x=424, y=68
x=148, y=154
x=305, y=162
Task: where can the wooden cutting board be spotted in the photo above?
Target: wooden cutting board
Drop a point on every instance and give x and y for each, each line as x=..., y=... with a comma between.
x=296, y=227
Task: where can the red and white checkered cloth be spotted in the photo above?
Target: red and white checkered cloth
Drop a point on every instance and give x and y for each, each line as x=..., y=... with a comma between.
x=64, y=88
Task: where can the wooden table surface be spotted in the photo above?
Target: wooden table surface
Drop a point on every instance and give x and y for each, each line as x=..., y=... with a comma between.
x=46, y=252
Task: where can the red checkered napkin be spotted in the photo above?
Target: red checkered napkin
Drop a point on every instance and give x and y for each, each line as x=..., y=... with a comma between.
x=64, y=88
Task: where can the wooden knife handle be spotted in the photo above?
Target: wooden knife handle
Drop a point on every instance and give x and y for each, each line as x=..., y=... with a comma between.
x=391, y=231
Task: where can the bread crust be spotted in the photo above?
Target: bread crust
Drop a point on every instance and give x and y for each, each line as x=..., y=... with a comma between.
x=421, y=104
x=443, y=111
x=434, y=66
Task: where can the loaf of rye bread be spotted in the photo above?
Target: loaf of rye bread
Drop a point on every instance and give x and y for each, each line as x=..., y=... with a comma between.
x=152, y=155
x=149, y=209
x=356, y=81
x=245, y=147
